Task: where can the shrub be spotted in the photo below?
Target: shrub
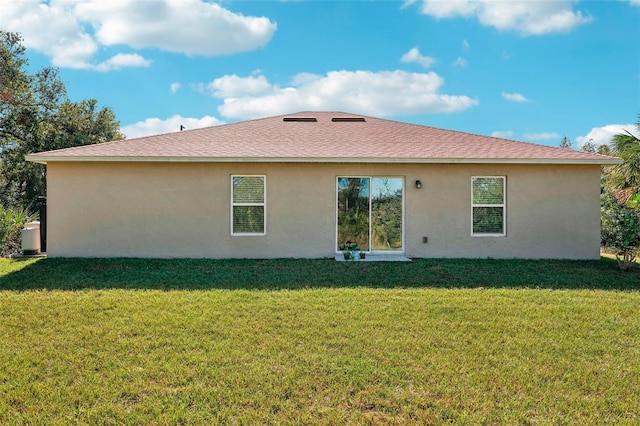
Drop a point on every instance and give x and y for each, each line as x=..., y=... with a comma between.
x=620, y=229
x=12, y=220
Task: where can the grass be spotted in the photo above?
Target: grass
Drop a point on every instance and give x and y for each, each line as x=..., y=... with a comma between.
x=297, y=274
x=130, y=341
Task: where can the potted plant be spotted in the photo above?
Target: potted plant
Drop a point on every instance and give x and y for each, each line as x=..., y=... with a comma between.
x=349, y=250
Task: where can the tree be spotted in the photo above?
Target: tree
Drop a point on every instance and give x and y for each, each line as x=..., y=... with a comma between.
x=620, y=208
x=36, y=115
x=590, y=146
x=625, y=177
x=566, y=143
x=604, y=149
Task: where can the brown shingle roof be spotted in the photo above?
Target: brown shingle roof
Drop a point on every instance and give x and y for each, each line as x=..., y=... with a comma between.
x=275, y=139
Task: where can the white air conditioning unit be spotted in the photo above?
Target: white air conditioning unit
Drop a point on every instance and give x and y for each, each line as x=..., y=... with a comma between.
x=31, y=238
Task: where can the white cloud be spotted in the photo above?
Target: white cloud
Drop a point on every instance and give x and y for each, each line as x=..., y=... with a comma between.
x=407, y=3
x=541, y=136
x=465, y=44
x=174, y=87
x=155, y=126
x=603, y=135
x=515, y=97
x=414, y=55
x=121, y=60
x=198, y=87
x=450, y=8
x=75, y=30
x=384, y=93
x=233, y=86
x=460, y=62
x=525, y=17
x=192, y=27
x=635, y=2
x=64, y=40
x=304, y=78
x=505, y=134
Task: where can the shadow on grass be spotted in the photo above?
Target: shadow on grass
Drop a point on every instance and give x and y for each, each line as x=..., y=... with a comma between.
x=201, y=274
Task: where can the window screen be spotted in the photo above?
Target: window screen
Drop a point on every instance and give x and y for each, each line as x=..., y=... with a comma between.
x=488, y=205
x=248, y=205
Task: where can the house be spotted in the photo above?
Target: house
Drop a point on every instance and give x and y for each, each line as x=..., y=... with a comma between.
x=301, y=185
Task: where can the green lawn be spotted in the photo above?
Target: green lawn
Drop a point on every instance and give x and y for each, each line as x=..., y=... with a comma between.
x=318, y=342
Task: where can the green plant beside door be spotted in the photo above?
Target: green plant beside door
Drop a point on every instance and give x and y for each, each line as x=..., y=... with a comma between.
x=350, y=251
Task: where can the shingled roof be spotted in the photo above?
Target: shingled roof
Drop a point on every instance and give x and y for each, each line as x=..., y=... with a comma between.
x=313, y=136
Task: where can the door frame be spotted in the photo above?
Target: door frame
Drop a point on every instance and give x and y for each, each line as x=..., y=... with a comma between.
x=371, y=177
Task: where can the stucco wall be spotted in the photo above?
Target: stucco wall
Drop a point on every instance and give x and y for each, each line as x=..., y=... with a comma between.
x=182, y=210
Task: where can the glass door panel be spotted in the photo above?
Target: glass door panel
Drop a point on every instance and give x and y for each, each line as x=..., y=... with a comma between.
x=353, y=212
x=386, y=213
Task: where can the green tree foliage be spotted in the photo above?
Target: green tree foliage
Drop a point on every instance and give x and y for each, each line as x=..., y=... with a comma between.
x=604, y=149
x=626, y=176
x=620, y=230
x=594, y=148
x=35, y=116
x=620, y=211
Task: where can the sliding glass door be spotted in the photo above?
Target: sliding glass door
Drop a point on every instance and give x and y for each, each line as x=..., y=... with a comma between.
x=370, y=212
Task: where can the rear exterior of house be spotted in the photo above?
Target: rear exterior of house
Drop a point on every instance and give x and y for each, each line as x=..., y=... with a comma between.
x=280, y=187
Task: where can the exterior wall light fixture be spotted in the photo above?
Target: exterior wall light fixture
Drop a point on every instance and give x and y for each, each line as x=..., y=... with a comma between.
x=418, y=184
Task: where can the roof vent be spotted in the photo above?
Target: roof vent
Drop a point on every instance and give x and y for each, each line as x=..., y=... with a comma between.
x=348, y=119
x=301, y=119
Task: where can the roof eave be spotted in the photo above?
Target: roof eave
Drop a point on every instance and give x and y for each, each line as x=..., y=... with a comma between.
x=44, y=159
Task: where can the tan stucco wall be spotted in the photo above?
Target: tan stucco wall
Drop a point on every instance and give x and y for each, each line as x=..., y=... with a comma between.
x=182, y=210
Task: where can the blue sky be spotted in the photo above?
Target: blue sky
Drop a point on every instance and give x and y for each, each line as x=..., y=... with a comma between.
x=525, y=70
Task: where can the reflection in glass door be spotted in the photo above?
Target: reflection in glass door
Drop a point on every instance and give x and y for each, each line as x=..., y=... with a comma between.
x=370, y=212
x=386, y=213
x=353, y=211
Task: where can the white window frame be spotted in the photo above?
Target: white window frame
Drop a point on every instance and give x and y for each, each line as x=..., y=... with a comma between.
x=263, y=204
x=503, y=205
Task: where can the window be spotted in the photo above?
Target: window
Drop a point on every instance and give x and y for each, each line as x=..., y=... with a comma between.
x=488, y=206
x=248, y=205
